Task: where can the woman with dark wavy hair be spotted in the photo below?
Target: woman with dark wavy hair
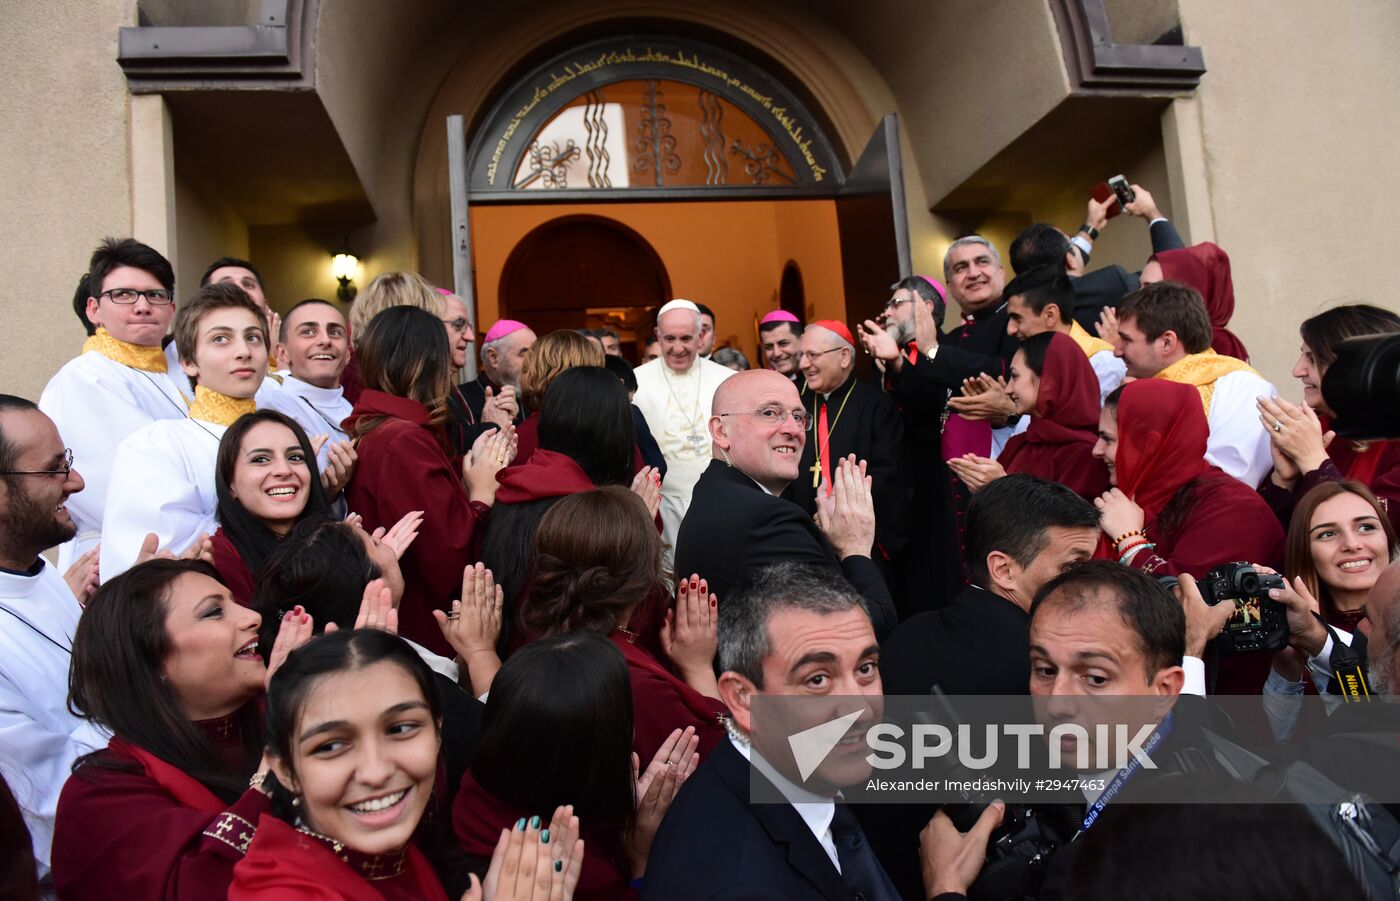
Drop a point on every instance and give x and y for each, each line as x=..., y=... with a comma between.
x=266, y=481
x=167, y=661
x=598, y=569
x=406, y=464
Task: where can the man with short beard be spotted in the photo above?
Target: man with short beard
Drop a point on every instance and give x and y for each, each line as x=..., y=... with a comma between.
x=39, y=736
x=504, y=348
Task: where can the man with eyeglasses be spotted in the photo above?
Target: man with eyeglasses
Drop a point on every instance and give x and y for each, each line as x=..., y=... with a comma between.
x=39, y=737
x=121, y=381
x=738, y=521
x=849, y=416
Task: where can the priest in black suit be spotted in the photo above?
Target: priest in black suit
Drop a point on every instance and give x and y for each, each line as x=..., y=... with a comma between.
x=737, y=520
x=848, y=416
x=924, y=368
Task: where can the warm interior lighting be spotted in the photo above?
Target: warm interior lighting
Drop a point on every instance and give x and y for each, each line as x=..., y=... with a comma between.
x=344, y=265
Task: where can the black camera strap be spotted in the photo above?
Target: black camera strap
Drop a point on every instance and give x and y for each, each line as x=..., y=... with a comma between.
x=1347, y=669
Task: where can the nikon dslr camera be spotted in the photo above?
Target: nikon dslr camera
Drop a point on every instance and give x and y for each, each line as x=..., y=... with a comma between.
x=1259, y=623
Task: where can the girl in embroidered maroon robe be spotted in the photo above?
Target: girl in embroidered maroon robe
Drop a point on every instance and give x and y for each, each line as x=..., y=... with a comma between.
x=165, y=659
x=354, y=726
x=405, y=465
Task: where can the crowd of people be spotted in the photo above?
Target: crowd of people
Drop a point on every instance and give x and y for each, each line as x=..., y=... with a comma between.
x=329, y=620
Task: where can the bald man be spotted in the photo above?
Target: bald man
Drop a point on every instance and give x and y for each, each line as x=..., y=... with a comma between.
x=675, y=393
x=737, y=519
x=849, y=416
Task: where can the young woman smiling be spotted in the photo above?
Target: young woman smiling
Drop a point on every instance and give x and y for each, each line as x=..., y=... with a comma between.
x=266, y=482
x=1339, y=542
x=167, y=661
x=353, y=734
x=1053, y=383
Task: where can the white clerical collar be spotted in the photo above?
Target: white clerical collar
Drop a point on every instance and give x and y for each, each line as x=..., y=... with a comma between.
x=817, y=811
x=313, y=393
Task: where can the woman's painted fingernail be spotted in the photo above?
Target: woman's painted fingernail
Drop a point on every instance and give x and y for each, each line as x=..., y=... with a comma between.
x=534, y=822
x=544, y=837
x=520, y=825
x=558, y=866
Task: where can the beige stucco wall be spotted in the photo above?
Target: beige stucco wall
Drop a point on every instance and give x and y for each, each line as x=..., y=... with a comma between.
x=64, y=152
x=1299, y=124
x=207, y=226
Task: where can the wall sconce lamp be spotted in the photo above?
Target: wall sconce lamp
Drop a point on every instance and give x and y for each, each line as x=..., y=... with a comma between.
x=344, y=266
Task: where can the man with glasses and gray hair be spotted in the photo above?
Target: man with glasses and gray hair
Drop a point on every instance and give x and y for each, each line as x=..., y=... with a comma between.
x=39, y=736
x=737, y=521
x=121, y=381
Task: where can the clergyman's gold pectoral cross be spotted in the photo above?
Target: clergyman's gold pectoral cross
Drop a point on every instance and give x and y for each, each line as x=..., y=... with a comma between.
x=817, y=474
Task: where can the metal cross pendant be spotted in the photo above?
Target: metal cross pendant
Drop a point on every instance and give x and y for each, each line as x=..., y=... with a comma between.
x=817, y=474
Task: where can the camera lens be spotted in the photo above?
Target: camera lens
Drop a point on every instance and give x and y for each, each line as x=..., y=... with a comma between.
x=1363, y=387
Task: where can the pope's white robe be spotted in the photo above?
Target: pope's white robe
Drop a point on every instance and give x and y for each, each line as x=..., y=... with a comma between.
x=97, y=403
x=677, y=407
x=39, y=737
x=162, y=482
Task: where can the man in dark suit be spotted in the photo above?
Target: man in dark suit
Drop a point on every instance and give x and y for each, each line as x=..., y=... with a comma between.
x=1021, y=532
x=737, y=521
x=849, y=416
x=791, y=632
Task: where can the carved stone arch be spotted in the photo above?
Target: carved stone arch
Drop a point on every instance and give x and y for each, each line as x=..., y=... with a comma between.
x=507, y=153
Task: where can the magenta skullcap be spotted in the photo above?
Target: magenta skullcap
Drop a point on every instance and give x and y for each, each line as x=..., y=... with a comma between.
x=502, y=328
x=937, y=286
x=778, y=316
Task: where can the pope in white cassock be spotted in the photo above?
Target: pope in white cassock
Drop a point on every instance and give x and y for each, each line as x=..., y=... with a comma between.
x=674, y=393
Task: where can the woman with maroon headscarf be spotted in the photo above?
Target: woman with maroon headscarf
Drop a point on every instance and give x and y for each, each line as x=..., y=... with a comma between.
x=1205, y=267
x=1170, y=511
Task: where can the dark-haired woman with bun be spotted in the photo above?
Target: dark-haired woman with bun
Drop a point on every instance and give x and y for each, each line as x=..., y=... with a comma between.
x=597, y=569
x=353, y=727
x=167, y=661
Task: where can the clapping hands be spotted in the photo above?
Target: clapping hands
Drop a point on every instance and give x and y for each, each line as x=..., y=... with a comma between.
x=492, y=451
x=690, y=635
x=646, y=484
x=656, y=788
x=846, y=513
x=474, y=624
x=976, y=472
x=533, y=864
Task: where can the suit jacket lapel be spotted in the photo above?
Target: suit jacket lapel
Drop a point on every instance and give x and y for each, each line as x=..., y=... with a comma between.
x=783, y=825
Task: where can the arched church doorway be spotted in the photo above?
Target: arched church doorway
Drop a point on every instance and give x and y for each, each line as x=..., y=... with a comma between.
x=583, y=271
x=718, y=183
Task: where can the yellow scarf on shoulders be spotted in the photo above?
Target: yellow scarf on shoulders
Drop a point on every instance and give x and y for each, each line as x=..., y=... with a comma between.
x=1088, y=343
x=1201, y=370
x=220, y=409
x=137, y=356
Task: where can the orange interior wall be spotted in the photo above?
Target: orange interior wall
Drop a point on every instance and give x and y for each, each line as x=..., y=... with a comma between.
x=728, y=255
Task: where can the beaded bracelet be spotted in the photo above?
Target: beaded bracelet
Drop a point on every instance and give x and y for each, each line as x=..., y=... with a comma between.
x=1126, y=535
x=1127, y=543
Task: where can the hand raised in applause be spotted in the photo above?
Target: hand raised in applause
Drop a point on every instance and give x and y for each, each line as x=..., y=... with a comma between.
x=846, y=516
x=646, y=484
x=377, y=610
x=492, y=451
x=402, y=534
x=295, y=630
x=474, y=624
x=500, y=408
x=533, y=864
x=690, y=635
x=656, y=788
x=340, y=465
x=1107, y=326
x=984, y=397
x=976, y=472
x=82, y=576
x=879, y=343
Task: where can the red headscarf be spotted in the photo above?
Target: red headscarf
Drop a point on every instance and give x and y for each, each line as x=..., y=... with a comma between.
x=1162, y=433
x=1206, y=267
x=546, y=474
x=1059, y=443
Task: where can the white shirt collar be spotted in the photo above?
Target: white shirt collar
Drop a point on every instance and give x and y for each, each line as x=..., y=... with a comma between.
x=312, y=392
x=816, y=811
